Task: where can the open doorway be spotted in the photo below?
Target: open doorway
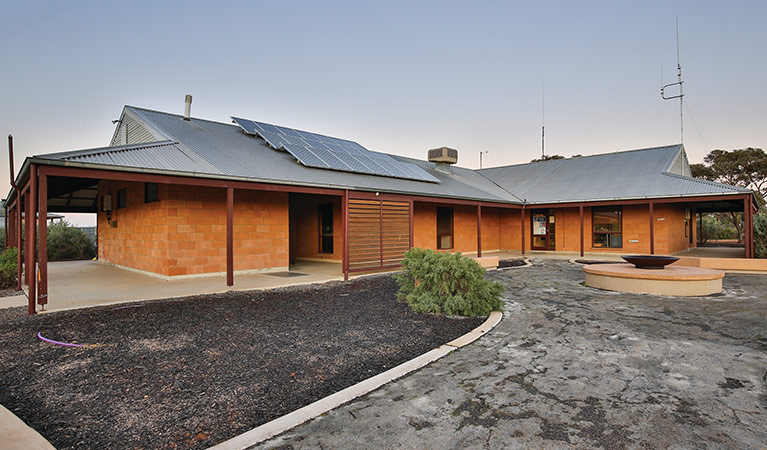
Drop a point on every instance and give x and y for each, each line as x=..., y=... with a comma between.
x=315, y=233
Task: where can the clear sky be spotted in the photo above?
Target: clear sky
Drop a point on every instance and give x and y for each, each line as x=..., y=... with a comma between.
x=397, y=77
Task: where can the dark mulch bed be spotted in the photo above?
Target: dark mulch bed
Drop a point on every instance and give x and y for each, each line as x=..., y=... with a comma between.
x=504, y=263
x=8, y=292
x=192, y=373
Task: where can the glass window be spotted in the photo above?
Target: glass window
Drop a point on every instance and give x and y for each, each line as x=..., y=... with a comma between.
x=608, y=226
x=444, y=228
x=151, y=193
x=122, y=198
x=326, y=228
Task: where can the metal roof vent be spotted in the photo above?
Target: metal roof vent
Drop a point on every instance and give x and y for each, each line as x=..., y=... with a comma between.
x=187, y=106
x=443, y=157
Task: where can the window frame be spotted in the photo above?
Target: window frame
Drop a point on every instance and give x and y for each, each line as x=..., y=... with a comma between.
x=321, y=209
x=595, y=233
x=452, y=228
x=147, y=192
x=122, y=198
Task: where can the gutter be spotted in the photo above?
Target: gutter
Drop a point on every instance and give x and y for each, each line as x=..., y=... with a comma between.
x=111, y=168
x=58, y=163
x=712, y=194
x=18, y=181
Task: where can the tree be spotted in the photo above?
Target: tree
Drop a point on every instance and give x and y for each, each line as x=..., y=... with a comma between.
x=548, y=158
x=746, y=168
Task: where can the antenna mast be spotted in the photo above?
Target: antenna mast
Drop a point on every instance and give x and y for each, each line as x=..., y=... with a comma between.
x=679, y=83
x=543, y=119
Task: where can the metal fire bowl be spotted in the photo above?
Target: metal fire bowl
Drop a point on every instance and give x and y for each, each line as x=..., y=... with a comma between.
x=650, y=261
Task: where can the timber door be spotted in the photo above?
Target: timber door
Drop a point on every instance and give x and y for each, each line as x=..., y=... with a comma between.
x=543, y=229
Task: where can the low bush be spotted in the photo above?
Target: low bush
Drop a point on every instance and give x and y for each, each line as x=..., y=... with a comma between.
x=444, y=283
x=760, y=235
x=66, y=242
x=8, y=268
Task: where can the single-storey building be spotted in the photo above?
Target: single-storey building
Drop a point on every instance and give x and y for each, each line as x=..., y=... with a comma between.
x=178, y=196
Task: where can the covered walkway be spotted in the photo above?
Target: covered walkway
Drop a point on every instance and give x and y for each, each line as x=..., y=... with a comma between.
x=714, y=252
x=78, y=284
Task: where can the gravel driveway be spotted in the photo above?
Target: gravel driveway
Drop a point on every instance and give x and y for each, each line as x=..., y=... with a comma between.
x=572, y=366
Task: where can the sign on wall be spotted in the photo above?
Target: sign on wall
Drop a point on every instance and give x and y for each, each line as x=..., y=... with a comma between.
x=539, y=224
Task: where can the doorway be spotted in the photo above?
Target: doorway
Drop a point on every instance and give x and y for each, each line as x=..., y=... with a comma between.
x=543, y=229
x=314, y=228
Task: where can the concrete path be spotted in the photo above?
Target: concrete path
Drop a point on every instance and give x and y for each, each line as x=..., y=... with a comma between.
x=714, y=252
x=574, y=367
x=77, y=284
x=16, y=435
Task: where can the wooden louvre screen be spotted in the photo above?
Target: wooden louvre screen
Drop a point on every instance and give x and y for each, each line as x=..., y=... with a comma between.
x=379, y=233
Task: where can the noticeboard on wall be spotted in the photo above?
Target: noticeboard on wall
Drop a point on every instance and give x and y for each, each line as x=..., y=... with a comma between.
x=539, y=224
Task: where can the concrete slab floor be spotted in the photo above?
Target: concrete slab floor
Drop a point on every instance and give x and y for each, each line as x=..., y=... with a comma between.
x=713, y=252
x=77, y=284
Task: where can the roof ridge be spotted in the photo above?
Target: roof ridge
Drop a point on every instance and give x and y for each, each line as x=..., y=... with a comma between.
x=181, y=116
x=708, y=182
x=502, y=188
x=584, y=156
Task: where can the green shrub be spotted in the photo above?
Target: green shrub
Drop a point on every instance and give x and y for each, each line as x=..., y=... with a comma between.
x=760, y=235
x=8, y=268
x=66, y=242
x=444, y=283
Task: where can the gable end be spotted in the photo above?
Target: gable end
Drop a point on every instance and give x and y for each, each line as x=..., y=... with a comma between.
x=131, y=130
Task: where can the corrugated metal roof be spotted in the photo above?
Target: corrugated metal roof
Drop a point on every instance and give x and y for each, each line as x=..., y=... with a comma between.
x=632, y=174
x=234, y=153
x=219, y=149
x=163, y=155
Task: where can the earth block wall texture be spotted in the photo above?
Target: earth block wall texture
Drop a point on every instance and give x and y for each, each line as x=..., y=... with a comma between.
x=669, y=230
x=184, y=233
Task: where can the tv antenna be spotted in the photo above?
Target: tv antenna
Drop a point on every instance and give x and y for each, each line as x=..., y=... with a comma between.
x=679, y=83
x=480, y=158
x=543, y=120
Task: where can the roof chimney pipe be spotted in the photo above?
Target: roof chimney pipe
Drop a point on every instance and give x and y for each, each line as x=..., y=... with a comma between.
x=187, y=106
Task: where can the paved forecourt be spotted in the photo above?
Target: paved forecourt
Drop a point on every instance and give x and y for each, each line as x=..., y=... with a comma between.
x=576, y=367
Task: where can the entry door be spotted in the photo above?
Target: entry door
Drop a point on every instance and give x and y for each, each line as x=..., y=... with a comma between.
x=543, y=230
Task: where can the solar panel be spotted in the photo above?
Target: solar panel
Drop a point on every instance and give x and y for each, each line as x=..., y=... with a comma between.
x=325, y=152
x=306, y=156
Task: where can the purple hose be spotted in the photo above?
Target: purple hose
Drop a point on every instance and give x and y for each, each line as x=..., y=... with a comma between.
x=51, y=341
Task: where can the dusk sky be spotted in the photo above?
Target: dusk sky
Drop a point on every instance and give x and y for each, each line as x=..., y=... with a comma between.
x=397, y=77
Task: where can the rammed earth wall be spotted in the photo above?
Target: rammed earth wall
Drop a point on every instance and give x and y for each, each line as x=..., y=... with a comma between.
x=184, y=233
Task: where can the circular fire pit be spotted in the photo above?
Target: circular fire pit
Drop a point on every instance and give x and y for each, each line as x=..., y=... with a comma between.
x=673, y=280
x=650, y=261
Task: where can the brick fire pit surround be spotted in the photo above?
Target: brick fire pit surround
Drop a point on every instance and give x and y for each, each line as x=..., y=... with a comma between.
x=673, y=280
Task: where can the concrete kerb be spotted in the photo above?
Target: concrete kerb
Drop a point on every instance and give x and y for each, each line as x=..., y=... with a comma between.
x=311, y=411
x=17, y=435
x=181, y=297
